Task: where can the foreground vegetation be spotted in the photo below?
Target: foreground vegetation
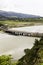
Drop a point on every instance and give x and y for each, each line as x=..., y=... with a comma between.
x=33, y=56
x=6, y=60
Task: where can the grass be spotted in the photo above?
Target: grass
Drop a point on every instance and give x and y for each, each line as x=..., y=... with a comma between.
x=12, y=23
x=41, y=64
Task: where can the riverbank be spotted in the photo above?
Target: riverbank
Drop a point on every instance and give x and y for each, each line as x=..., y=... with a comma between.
x=11, y=23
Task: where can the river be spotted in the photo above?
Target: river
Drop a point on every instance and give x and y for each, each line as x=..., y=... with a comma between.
x=14, y=45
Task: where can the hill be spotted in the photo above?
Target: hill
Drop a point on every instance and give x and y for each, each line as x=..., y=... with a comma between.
x=17, y=15
x=33, y=56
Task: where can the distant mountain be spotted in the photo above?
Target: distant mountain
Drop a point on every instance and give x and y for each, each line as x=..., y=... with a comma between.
x=18, y=15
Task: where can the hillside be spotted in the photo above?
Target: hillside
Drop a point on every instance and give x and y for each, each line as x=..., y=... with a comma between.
x=17, y=15
x=33, y=56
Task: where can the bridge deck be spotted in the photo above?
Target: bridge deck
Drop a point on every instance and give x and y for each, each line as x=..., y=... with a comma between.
x=27, y=31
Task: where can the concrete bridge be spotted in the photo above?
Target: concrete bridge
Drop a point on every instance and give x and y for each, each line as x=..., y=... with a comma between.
x=22, y=33
x=34, y=31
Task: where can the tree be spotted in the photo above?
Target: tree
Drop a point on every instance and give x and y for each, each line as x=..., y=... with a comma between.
x=5, y=60
x=34, y=56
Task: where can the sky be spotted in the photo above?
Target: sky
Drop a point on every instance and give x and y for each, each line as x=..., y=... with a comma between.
x=34, y=7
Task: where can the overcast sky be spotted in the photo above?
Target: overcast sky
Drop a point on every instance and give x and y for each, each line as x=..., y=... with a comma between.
x=23, y=6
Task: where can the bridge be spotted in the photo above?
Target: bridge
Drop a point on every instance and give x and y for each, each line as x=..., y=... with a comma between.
x=22, y=33
x=34, y=31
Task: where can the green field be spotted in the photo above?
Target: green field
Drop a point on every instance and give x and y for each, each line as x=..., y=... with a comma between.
x=12, y=23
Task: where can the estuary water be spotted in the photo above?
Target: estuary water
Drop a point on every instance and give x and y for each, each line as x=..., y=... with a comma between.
x=15, y=45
